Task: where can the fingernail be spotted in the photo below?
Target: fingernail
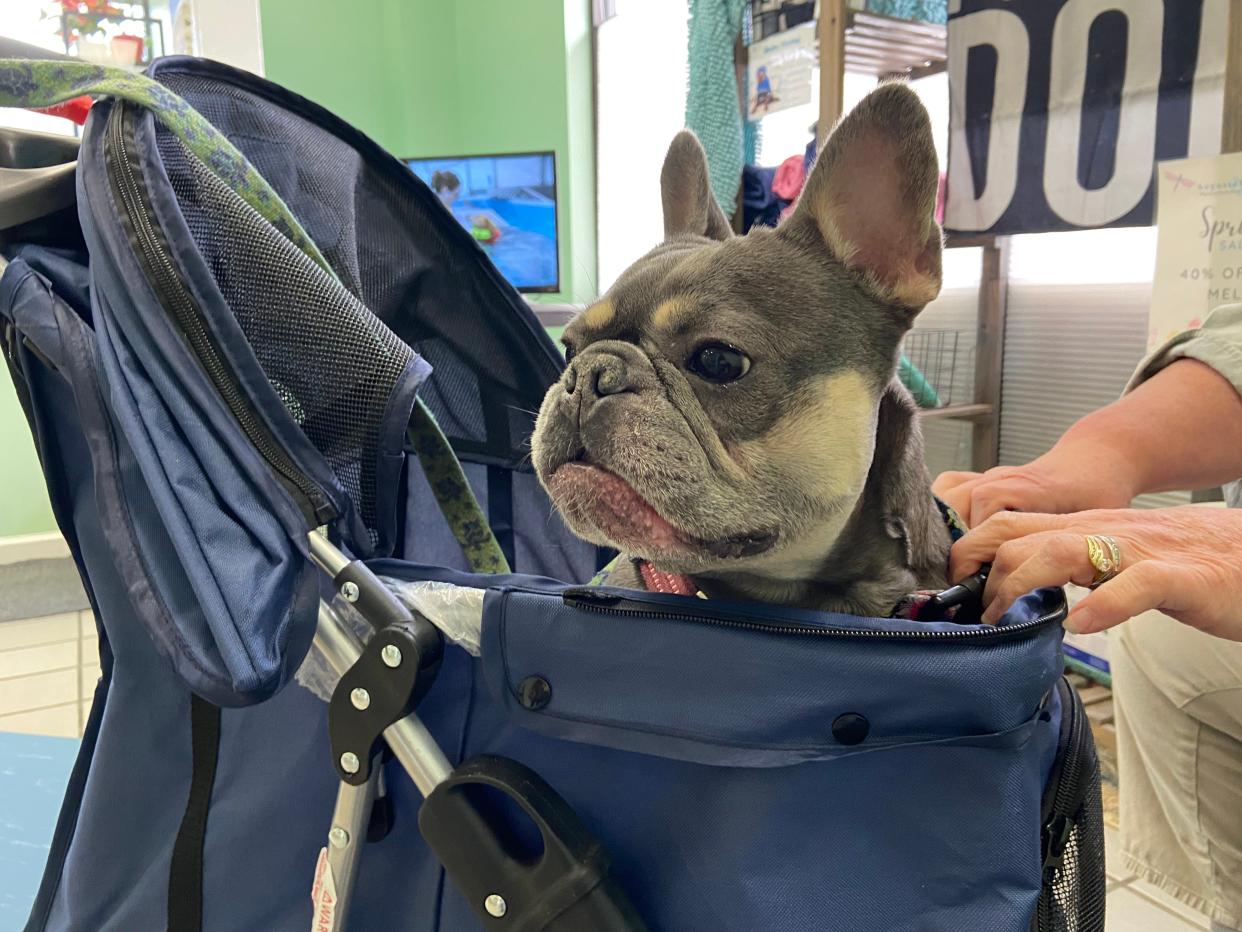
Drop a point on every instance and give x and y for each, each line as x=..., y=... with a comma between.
x=1078, y=622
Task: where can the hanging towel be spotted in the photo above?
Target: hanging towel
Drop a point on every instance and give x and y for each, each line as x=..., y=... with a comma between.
x=712, y=107
x=927, y=11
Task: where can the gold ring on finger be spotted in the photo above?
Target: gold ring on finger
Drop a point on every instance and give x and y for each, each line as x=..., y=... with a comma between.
x=1105, y=557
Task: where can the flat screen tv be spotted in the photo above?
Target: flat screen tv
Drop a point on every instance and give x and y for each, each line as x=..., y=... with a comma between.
x=508, y=203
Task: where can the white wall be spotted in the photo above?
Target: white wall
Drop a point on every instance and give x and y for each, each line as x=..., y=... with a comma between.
x=640, y=106
x=227, y=31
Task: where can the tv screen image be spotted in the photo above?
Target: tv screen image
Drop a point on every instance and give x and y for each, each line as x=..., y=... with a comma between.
x=508, y=203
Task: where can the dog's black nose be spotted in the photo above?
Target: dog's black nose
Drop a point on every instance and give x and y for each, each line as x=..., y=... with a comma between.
x=611, y=379
x=600, y=374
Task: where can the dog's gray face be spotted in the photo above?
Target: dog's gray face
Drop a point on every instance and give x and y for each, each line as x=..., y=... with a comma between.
x=718, y=413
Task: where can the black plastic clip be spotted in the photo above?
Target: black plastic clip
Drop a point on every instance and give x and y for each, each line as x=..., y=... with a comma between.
x=966, y=596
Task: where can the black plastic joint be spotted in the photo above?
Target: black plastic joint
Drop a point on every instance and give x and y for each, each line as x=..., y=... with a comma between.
x=392, y=674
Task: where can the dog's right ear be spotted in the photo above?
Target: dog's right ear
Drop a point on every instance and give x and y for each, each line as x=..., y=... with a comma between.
x=872, y=196
x=686, y=192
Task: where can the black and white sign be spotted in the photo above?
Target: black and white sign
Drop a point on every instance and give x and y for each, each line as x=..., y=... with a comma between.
x=1060, y=108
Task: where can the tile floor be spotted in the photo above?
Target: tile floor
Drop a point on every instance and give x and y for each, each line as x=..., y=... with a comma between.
x=49, y=665
x=48, y=670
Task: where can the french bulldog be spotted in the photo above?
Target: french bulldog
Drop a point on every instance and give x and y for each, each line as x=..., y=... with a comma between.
x=730, y=415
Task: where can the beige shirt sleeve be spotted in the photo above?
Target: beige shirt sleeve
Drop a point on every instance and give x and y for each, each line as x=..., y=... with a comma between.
x=1218, y=343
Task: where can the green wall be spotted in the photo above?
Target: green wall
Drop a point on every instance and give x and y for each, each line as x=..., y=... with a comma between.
x=429, y=77
x=26, y=509
x=423, y=78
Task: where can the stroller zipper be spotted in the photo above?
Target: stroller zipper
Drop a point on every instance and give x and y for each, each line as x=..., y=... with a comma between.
x=605, y=603
x=147, y=242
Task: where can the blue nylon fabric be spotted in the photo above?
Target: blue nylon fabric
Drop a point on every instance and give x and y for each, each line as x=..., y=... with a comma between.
x=238, y=594
x=542, y=544
x=915, y=836
x=274, y=787
x=703, y=759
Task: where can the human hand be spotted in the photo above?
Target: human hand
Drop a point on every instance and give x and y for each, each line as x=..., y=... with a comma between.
x=1066, y=479
x=1186, y=562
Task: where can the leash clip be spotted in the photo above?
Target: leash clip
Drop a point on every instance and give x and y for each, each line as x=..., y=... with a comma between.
x=968, y=592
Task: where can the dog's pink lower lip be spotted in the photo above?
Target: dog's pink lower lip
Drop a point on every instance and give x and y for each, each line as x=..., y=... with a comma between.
x=615, y=506
x=629, y=520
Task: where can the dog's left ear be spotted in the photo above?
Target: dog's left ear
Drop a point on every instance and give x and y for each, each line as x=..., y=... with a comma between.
x=872, y=196
x=686, y=192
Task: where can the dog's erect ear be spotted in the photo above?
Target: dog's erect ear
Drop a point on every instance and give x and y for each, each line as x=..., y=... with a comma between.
x=872, y=195
x=686, y=192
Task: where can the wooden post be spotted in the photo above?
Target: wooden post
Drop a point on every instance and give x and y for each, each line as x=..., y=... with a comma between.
x=1231, y=122
x=741, y=56
x=989, y=351
x=830, y=31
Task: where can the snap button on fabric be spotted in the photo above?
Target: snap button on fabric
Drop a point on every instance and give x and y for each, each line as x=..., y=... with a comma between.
x=534, y=693
x=850, y=728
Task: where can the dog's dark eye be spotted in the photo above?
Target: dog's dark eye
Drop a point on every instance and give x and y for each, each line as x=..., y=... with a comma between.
x=569, y=352
x=718, y=362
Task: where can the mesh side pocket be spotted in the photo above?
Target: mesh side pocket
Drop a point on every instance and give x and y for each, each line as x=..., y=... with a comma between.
x=333, y=364
x=1072, y=899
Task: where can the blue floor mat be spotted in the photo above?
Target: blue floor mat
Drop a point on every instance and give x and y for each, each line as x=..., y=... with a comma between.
x=34, y=771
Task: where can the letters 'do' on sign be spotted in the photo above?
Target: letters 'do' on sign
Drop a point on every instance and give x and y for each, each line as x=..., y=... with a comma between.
x=1060, y=108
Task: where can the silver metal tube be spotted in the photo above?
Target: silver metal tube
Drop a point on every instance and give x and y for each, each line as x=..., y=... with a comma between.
x=348, y=834
x=411, y=742
x=413, y=745
x=326, y=555
x=333, y=638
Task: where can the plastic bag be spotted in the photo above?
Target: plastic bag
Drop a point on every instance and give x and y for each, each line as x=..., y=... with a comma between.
x=457, y=611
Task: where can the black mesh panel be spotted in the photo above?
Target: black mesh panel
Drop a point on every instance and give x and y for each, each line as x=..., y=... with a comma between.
x=1073, y=896
x=332, y=362
x=403, y=255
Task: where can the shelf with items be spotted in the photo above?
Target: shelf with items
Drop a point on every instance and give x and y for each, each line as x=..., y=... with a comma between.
x=103, y=32
x=884, y=45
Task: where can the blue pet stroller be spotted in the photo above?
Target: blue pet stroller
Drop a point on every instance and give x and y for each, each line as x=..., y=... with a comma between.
x=253, y=350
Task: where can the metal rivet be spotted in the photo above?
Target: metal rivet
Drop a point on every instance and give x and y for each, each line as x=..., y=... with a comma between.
x=391, y=655
x=360, y=698
x=338, y=837
x=534, y=692
x=350, y=591
x=495, y=905
x=349, y=762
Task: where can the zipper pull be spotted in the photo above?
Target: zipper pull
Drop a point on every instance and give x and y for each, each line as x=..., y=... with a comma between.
x=590, y=594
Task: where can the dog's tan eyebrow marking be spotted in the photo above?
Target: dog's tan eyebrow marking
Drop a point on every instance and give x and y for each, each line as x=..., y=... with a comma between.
x=599, y=315
x=669, y=314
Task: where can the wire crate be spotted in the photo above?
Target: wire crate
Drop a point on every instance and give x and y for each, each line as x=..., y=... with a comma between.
x=764, y=18
x=929, y=367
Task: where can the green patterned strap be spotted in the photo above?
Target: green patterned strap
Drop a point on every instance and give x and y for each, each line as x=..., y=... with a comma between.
x=31, y=83
x=453, y=494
